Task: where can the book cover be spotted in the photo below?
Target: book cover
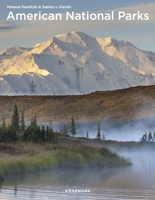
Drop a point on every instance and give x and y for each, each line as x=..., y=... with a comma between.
x=77, y=99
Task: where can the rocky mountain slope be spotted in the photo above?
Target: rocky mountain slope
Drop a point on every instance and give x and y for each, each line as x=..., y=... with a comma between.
x=74, y=63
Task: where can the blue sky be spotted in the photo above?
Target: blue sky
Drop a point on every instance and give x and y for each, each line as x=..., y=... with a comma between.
x=28, y=33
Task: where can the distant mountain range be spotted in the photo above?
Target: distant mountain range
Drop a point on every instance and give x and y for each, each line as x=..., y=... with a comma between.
x=74, y=63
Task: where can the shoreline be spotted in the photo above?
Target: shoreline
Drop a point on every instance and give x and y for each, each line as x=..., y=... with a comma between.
x=35, y=157
x=59, y=170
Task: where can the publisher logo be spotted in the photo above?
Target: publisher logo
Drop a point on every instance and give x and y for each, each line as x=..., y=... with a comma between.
x=77, y=190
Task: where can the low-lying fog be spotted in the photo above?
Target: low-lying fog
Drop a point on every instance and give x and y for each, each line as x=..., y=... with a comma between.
x=141, y=173
x=126, y=182
x=136, y=181
x=130, y=131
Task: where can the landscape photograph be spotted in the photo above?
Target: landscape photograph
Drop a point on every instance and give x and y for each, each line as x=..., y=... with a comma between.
x=77, y=100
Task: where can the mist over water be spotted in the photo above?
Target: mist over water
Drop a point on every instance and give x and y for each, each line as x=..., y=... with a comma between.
x=125, y=131
x=107, y=183
x=112, y=183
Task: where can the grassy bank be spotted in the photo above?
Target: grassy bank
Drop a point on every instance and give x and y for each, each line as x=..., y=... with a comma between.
x=28, y=157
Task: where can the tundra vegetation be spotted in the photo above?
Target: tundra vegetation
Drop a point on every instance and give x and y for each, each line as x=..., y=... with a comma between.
x=35, y=148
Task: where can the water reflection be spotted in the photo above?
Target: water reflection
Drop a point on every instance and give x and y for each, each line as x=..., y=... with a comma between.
x=15, y=191
x=131, y=182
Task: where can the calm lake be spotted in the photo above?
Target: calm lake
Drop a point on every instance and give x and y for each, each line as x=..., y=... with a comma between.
x=130, y=182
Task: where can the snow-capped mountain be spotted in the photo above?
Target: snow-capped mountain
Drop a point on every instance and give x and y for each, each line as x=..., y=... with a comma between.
x=74, y=63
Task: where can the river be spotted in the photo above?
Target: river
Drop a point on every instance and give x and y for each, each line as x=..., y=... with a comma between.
x=129, y=182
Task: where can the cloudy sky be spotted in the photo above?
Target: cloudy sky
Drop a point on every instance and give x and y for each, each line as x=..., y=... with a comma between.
x=28, y=33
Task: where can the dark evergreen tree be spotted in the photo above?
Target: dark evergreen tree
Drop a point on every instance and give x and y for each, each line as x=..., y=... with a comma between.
x=73, y=129
x=98, y=132
x=87, y=134
x=55, y=137
x=3, y=136
x=34, y=121
x=47, y=132
x=50, y=135
x=51, y=125
x=4, y=125
x=43, y=133
x=22, y=127
x=32, y=133
x=144, y=137
x=4, y=131
x=154, y=137
x=150, y=138
x=11, y=134
x=15, y=119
